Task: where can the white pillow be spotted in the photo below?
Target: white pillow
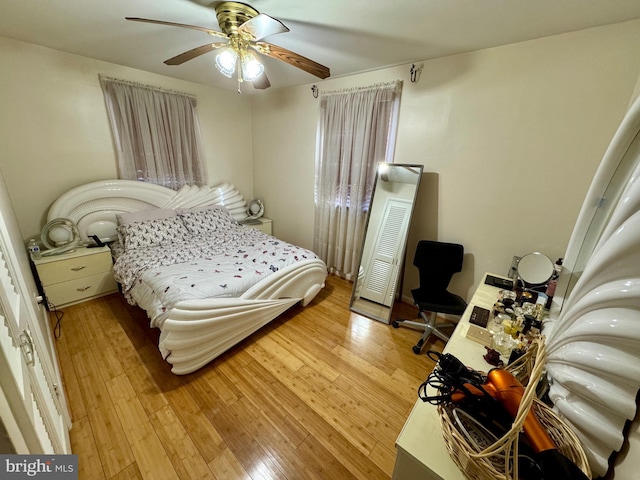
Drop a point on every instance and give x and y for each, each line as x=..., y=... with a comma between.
x=202, y=221
x=152, y=233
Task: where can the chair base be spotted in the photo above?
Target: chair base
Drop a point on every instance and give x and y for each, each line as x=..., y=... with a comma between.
x=430, y=326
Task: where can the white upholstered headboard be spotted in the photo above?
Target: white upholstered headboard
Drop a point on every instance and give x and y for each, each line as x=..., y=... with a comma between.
x=93, y=207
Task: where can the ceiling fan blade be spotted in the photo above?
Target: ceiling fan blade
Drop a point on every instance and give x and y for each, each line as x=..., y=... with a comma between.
x=172, y=24
x=262, y=82
x=292, y=58
x=193, y=53
x=262, y=26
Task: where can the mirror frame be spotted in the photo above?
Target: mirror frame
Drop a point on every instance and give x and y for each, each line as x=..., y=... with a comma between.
x=369, y=308
x=542, y=272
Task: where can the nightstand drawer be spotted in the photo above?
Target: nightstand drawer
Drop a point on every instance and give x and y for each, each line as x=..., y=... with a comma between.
x=74, y=268
x=81, y=288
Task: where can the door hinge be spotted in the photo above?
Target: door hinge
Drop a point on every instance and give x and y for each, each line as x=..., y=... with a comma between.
x=26, y=344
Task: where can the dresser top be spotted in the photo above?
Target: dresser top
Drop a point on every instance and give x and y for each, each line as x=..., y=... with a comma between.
x=78, y=252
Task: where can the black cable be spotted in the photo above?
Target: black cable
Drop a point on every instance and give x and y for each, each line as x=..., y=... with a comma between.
x=59, y=314
x=448, y=377
x=436, y=381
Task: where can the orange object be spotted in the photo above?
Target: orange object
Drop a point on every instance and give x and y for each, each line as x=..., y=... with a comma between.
x=509, y=391
x=506, y=388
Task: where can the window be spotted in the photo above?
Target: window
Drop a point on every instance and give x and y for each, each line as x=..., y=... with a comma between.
x=156, y=134
x=356, y=131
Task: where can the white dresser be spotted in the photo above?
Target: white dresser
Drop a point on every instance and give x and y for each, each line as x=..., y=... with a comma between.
x=421, y=451
x=76, y=276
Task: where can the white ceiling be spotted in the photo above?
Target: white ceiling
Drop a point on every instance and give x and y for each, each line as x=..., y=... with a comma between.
x=348, y=36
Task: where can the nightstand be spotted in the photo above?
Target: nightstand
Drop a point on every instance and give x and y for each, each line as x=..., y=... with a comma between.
x=76, y=276
x=264, y=225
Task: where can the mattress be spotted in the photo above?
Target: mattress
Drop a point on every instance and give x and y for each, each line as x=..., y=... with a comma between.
x=223, y=261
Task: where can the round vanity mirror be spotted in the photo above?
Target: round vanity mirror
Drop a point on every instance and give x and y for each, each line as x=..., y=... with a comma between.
x=535, y=268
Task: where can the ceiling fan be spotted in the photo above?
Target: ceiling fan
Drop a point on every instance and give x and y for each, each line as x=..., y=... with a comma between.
x=243, y=27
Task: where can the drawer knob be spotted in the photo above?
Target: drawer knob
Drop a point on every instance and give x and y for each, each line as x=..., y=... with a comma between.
x=82, y=289
x=77, y=269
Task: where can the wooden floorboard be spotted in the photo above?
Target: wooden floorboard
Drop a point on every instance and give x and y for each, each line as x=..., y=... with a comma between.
x=319, y=393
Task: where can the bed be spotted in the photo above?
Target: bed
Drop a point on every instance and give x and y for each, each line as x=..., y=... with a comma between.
x=205, y=281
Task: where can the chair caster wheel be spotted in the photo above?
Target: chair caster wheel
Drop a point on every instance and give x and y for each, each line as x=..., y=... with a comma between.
x=395, y=324
x=416, y=349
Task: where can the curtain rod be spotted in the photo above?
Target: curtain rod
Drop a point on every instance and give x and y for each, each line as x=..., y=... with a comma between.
x=394, y=83
x=142, y=85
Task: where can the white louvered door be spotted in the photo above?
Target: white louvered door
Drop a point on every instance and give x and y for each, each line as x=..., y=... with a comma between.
x=33, y=408
x=382, y=272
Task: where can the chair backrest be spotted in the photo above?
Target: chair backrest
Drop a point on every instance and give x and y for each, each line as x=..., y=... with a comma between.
x=437, y=262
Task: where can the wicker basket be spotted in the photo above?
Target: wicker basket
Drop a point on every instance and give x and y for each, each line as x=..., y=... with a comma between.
x=490, y=464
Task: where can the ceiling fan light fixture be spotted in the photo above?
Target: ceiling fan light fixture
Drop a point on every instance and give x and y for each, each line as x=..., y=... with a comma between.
x=244, y=28
x=226, y=61
x=251, y=67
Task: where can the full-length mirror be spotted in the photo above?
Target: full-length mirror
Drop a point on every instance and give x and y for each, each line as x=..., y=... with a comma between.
x=385, y=239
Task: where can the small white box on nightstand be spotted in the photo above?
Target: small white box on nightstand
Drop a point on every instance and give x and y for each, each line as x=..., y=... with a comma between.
x=262, y=224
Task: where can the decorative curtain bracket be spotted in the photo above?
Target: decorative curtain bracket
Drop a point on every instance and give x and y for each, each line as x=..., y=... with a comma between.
x=314, y=91
x=415, y=72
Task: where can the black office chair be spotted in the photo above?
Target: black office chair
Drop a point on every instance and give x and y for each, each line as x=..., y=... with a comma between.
x=437, y=262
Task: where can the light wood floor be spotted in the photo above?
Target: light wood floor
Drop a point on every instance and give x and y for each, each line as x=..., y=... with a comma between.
x=320, y=393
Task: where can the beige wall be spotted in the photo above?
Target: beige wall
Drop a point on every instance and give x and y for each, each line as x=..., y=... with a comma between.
x=511, y=137
x=55, y=134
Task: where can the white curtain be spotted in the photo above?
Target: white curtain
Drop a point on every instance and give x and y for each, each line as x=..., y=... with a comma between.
x=356, y=131
x=156, y=134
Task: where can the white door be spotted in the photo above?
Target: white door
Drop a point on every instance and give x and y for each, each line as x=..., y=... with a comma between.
x=32, y=403
x=382, y=272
